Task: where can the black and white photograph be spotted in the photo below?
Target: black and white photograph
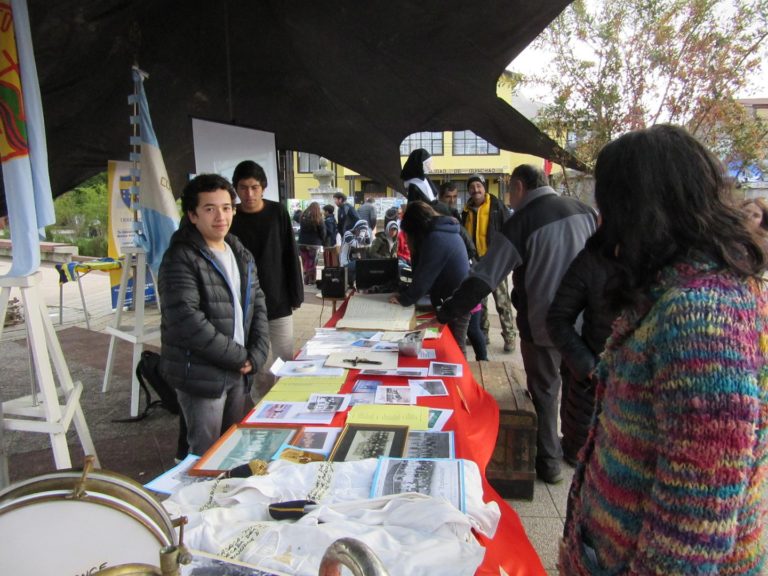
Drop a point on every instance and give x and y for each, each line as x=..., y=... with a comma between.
x=436, y=478
x=328, y=402
x=445, y=369
x=394, y=395
x=361, y=441
x=433, y=387
x=421, y=444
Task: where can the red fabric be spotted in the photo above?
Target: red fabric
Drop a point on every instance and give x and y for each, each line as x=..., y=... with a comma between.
x=402, y=247
x=475, y=437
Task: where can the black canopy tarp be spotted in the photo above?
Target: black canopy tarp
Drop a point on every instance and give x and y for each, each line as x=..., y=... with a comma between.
x=346, y=79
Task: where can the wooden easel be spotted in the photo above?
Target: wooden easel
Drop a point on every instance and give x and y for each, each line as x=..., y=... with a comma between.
x=43, y=413
x=135, y=266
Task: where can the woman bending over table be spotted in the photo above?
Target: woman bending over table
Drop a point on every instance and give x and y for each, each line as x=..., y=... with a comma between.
x=439, y=260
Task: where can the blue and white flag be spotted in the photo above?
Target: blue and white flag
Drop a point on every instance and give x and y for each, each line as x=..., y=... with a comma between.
x=23, y=150
x=159, y=214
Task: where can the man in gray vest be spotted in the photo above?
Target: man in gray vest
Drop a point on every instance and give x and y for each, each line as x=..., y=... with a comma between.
x=537, y=245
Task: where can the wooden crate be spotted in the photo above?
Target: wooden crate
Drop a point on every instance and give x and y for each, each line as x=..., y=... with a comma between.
x=512, y=469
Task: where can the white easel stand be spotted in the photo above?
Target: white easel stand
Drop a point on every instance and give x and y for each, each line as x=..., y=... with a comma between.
x=52, y=418
x=136, y=262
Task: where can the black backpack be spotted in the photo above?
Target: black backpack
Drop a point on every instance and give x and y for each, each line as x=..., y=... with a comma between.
x=148, y=375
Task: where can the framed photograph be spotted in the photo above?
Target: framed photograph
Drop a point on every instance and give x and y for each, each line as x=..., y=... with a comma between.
x=437, y=478
x=422, y=444
x=361, y=441
x=316, y=439
x=240, y=445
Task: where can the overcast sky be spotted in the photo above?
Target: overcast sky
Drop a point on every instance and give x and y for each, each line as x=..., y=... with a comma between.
x=531, y=60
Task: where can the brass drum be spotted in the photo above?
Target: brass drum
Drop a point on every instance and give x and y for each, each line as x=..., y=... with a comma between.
x=74, y=524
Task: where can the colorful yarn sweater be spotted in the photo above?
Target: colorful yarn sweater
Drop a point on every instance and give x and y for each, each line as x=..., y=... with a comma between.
x=673, y=476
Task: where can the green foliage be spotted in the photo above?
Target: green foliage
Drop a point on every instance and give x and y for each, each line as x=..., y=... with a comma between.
x=622, y=65
x=81, y=217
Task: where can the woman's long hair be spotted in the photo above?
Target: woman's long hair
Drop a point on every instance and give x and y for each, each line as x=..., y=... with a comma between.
x=663, y=196
x=417, y=223
x=313, y=214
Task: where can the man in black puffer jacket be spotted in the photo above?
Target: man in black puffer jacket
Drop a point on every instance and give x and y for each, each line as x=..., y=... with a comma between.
x=214, y=318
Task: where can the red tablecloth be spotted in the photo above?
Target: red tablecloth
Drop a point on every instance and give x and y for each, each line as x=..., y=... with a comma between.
x=475, y=436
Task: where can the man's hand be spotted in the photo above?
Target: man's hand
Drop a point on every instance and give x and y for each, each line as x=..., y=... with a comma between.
x=394, y=299
x=247, y=368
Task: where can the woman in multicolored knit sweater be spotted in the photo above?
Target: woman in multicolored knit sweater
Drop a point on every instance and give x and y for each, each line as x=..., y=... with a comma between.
x=673, y=476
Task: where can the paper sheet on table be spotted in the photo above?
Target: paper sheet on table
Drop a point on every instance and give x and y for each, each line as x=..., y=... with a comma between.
x=415, y=417
x=363, y=358
x=299, y=389
x=303, y=368
x=374, y=312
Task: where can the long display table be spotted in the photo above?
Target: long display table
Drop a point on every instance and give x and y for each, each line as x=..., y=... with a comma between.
x=475, y=428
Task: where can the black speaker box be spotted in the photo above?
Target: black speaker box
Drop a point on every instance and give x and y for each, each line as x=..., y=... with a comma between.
x=334, y=283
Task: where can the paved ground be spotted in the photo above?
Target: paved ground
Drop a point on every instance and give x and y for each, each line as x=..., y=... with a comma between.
x=145, y=449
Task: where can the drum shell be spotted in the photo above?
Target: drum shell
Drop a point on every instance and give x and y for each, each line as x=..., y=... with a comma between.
x=45, y=528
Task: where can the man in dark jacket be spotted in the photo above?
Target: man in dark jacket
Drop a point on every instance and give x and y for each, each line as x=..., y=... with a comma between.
x=483, y=216
x=264, y=227
x=538, y=243
x=347, y=215
x=214, y=318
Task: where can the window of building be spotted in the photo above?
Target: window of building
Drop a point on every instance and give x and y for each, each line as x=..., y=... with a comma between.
x=432, y=142
x=308, y=163
x=467, y=143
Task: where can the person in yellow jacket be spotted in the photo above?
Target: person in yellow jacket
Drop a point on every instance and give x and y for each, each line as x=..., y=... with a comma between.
x=483, y=216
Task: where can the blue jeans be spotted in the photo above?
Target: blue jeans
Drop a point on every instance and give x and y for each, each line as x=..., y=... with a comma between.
x=477, y=337
x=208, y=418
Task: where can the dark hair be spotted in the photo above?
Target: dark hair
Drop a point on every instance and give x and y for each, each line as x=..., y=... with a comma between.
x=761, y=204
x=663, y=197
x=329, y=209
x=530, y=176
x=417, y=223
x=340, y=195
x=446, y=187
x=249, y=169
x=203, y=183
x=390, y=215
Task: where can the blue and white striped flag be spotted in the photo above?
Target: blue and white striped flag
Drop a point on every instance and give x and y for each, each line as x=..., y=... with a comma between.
x=159, y=214
x=23, y=150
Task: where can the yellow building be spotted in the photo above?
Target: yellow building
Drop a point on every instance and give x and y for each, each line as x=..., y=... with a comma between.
x=456, y=155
